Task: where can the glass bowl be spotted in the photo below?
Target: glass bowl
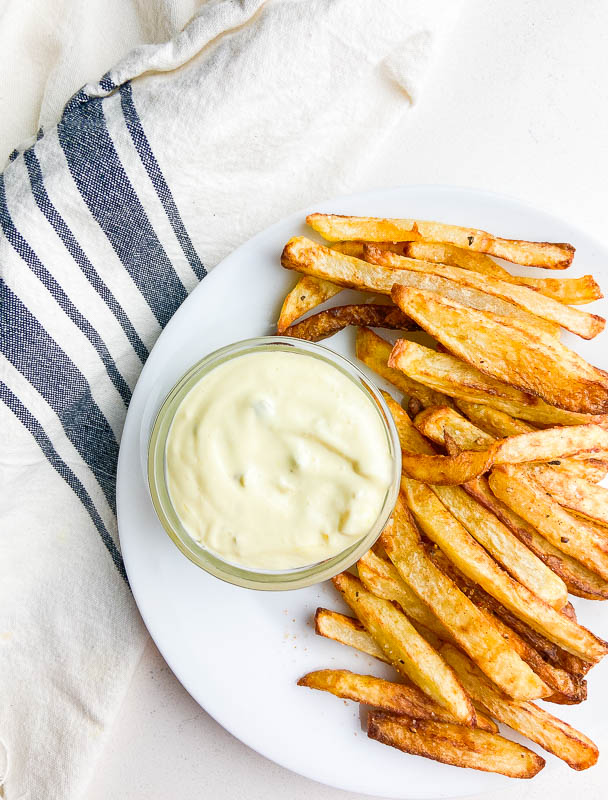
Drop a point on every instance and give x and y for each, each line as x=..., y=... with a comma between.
x=209, y=561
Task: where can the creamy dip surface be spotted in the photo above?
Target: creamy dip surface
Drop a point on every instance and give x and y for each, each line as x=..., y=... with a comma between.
x=277, y=460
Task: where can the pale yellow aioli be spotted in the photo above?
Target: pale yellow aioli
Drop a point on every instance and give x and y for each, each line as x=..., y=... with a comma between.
x=277, y=460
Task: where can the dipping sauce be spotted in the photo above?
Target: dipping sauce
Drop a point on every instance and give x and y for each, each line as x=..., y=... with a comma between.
x=277, y=460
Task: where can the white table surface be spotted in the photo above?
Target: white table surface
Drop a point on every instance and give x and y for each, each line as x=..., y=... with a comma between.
x=517, y=103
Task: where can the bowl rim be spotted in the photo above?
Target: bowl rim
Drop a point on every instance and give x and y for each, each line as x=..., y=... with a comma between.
x=207, y=560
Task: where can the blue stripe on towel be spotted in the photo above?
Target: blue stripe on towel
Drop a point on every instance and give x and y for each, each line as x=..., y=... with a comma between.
x=68, y=239
x=30, y=349
x=155, y=174
x=105, y=188
x=45, y=444
x=21, y=247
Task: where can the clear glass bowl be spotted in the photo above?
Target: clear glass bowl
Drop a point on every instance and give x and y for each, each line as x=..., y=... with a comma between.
x=210, y=561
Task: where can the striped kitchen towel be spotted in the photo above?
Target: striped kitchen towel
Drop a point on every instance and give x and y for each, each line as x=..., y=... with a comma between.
x=107, y=221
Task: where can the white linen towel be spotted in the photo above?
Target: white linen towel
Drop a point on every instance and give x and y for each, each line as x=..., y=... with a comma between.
x=173, y=158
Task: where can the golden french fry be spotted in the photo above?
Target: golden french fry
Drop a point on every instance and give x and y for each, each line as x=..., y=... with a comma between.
x=506, y=548
x=529, y=360
x=499, y=424
x=552, y=734
x=409, y=437
x=308, y=293
x=580, y=322
x=374, y=351
x=355, y=248
x=467, y=624
x=578, y=495
x=409, y=653
x=304, y=255
x=517, y=489
x=397, y=698
x=579, y=580
x=434, y=421
x=446, y=374
x=472, y=560
x=332, y=320
x=334, y=227
x=455, y=745
x=348, y=631
x=574, y=291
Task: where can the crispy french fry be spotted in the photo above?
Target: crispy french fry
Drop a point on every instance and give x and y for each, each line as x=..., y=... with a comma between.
x=578, y=495
x=446, y=374
x=467, y=624
x=579, y=580
x=409, y=653
x=471, y=559
x=583, y=541
x=552, y=734
x=574, y=291
x=397, y=698
x=580, y=322
x=334, y=227
x=409, y=437
x=304, y=255
x=355, y=248
x=374, y=351
x=499, y=424
x=434, y=421
x=332, y=320
x=527, y=359
x=455, y=745
x=348, y=631
x=308, y=293
x=500, y=543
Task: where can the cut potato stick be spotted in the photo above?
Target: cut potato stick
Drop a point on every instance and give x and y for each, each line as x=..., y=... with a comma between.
x=410, y=438
x=332, y=320
x=518, y=490
x=374, y=351
x=580, y=322
x=334, y=227
x=455, y=745
x=467, y=624
x=435, y=421
x=499, y=424
x=574, y=291
x=409, y=653
x=348, y=631
x=526, y=358
x=397, y=698
x=579, y=580
x=473, y=561
x=578, y=495
x=306, y=256
x=506, y=548
x=308, y=293
x=555, y=736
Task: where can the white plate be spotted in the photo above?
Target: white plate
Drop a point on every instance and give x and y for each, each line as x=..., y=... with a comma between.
x=239, y=652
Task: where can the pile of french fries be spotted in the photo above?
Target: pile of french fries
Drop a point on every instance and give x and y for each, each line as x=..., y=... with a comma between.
x=500, y=515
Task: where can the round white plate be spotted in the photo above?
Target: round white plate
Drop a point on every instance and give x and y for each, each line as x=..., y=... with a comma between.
x=239, y=653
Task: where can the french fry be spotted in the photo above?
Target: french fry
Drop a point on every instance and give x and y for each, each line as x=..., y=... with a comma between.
x=499, y=424
x=374, y=351
x=455, y=745
x=308, y=293
x=500, y=543
x=434, y=421
x=467, y=624
x=304, y=255
x=579, y=580
x=580, y=322
x=397, y=698
x=332, y=320
x=471, y=559
x=448, y=375
x=409, y=437
x=555, y=736
x=578, y=495
x=583, y=541
x=348, y=631
x=334, y=227
x=529, y=360
x=409, y=653
x=574, y=291
x=355, y=248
